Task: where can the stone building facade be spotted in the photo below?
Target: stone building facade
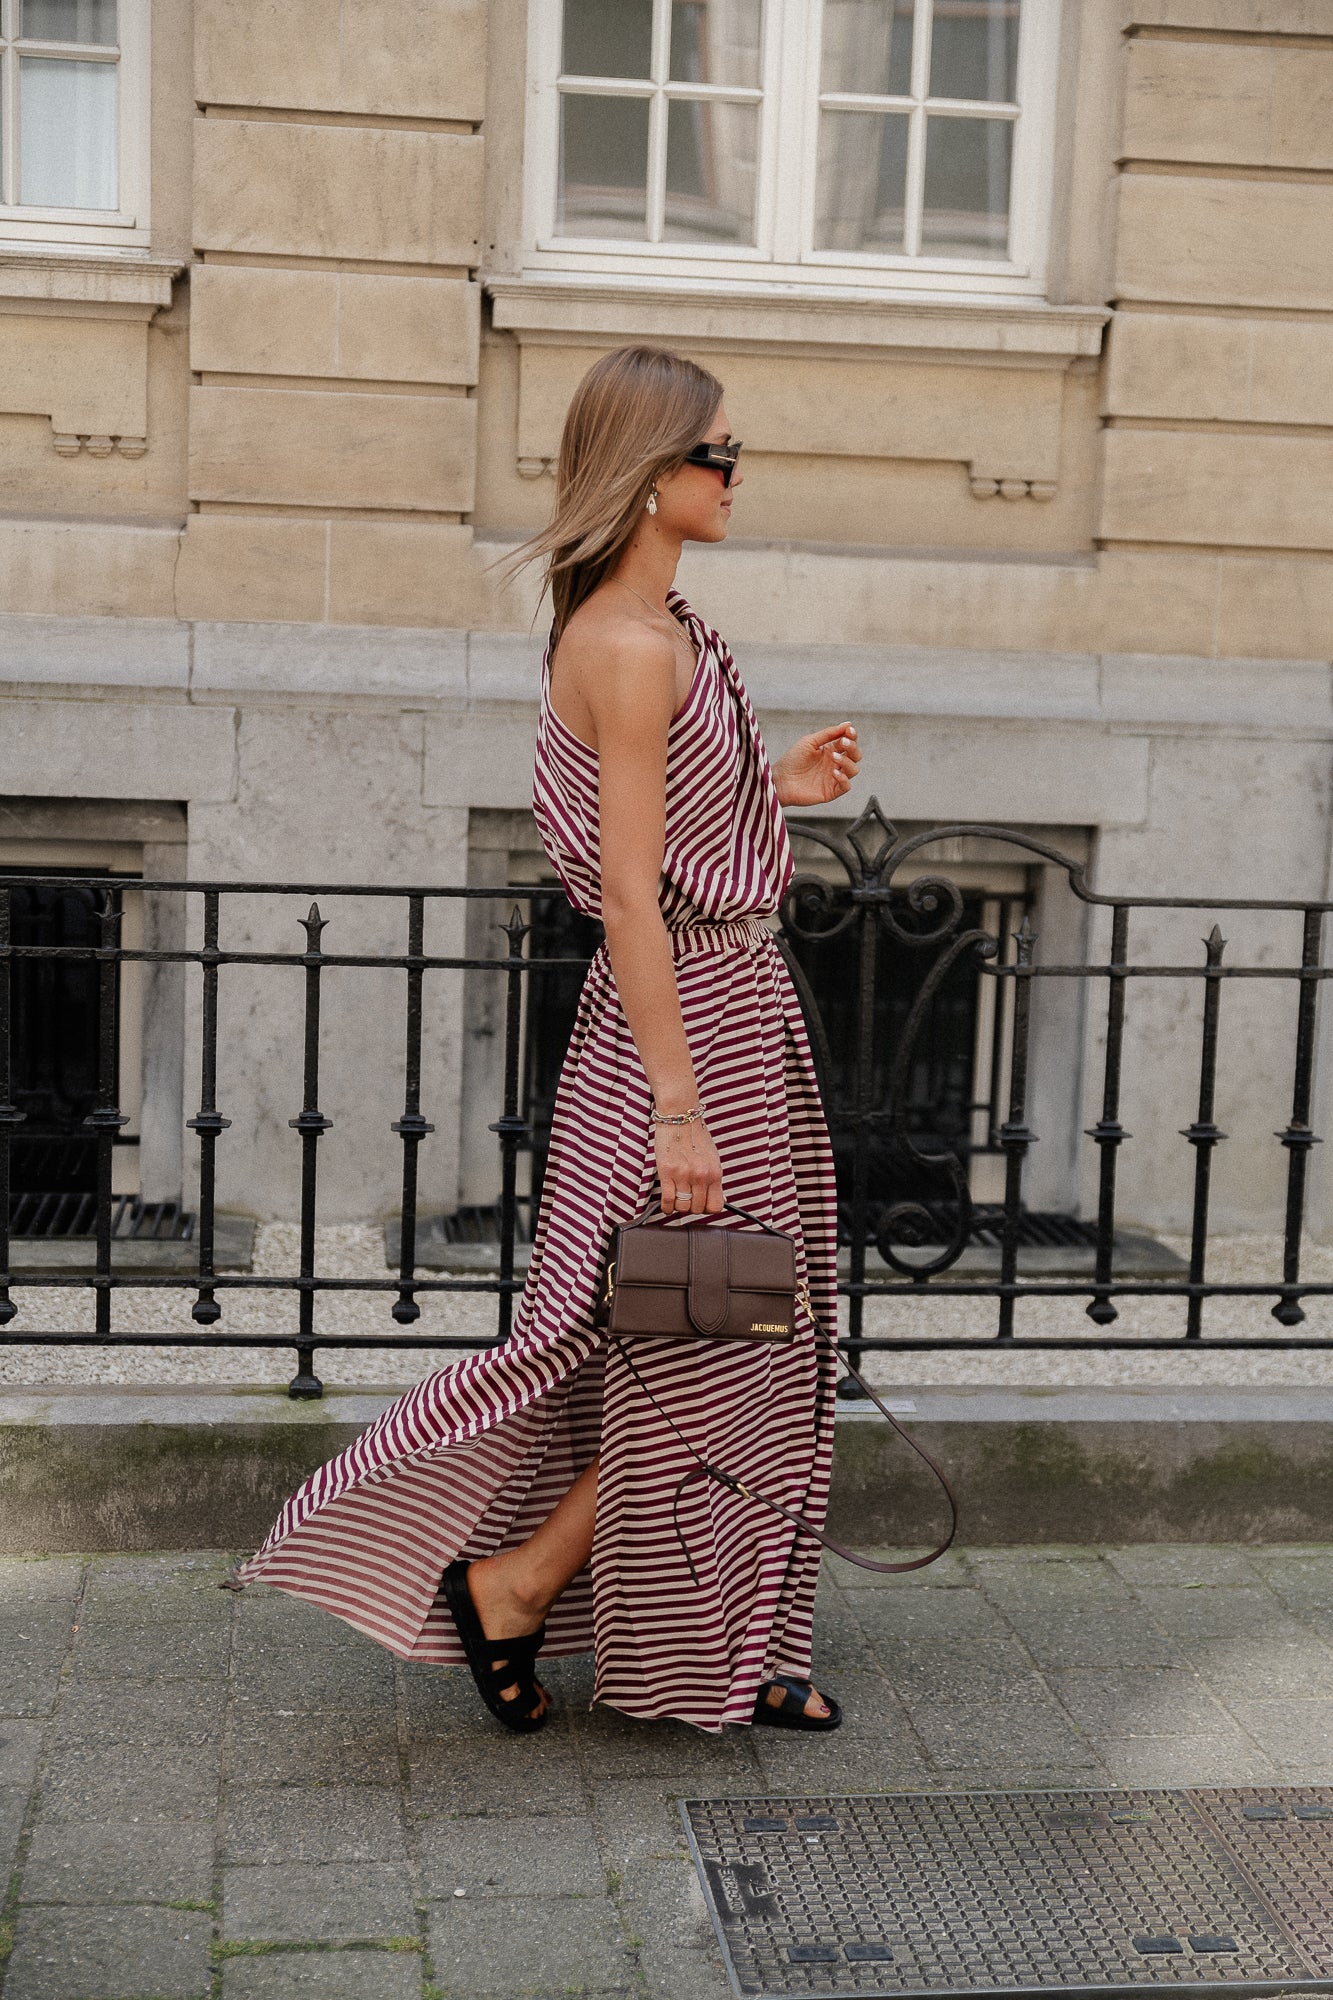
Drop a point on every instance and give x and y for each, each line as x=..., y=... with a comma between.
x=1025, y=312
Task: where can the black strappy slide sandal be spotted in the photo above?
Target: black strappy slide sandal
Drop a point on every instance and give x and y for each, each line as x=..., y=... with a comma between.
x=497, y=1663
x=789, y=1713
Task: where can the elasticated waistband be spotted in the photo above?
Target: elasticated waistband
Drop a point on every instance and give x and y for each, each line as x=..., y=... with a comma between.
x=739, y=934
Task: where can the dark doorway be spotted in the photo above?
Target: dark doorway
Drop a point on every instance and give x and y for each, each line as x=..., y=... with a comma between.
x=53, y=1012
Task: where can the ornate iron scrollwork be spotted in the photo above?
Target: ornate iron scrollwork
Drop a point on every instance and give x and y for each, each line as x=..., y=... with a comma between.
x=815, y=911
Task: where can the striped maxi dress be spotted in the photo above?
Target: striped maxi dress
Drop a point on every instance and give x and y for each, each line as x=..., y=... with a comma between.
x=471, y=1459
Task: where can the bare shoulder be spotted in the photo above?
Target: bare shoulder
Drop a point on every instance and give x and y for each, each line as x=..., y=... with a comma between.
x=621, y=667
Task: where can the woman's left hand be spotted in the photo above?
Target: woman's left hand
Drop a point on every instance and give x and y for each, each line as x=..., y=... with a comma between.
x=819, y=768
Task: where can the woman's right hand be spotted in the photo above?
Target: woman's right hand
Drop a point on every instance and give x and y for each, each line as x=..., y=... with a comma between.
x=689, y=1171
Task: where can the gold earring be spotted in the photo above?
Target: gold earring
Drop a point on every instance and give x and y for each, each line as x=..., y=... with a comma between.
x=652, y=501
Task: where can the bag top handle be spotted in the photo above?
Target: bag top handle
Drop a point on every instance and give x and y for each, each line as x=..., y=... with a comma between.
x=655, y=1213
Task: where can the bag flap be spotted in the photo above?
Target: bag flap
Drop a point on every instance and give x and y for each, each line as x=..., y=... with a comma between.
x=646, y=1255
x=762, y=1263
x=651, y=1254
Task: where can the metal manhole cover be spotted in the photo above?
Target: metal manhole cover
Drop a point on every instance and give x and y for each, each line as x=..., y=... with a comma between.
x=1016, y=1892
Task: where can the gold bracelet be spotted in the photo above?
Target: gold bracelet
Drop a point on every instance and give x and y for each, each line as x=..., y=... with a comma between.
x=677, y=1117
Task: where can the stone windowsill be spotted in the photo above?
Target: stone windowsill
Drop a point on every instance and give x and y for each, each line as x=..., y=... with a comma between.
x=538, y=306
x=108, y=284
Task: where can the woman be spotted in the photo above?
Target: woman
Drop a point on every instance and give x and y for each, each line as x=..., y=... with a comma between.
x=538, y=1477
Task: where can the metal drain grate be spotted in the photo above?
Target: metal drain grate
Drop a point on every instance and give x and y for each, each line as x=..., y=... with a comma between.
x=1011, y=1892
x=53, y=1216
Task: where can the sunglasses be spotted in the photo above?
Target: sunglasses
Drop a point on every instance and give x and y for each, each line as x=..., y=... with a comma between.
x=717, y=457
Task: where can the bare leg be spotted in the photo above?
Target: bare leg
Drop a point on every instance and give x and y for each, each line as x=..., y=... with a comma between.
x=514, y=1591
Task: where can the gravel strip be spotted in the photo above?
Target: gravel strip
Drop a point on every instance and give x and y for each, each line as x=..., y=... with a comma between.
x=357, y=1250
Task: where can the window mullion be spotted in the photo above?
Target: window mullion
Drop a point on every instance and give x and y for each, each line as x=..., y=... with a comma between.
x=767, y=223
x=915, y=191
x=921, y=26
x=962, y=107
x=798, y=161
x=1029, y=212
x=14, y=127
x=657, y=140
x=69, y=51
x=542, y=133
x=847, y=100
x=657, y=120
x=604, y=86
x=712, y=93
x=131, y=170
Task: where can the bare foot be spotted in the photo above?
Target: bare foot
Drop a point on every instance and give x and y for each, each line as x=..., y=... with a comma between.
x=816, y=1707
x=504, y=1612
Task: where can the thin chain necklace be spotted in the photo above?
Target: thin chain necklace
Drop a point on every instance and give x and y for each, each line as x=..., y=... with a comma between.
x=680, y=631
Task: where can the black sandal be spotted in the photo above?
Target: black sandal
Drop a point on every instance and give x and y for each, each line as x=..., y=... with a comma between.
x=789, y=1713
x=497, y=1664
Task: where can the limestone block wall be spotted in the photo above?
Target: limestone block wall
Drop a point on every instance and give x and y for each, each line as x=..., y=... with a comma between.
x=874, y=445
x=334, y=319
x=1218, y=391
x=94, y=381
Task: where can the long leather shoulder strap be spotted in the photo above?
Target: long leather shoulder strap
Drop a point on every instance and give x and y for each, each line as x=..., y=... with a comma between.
x=703, y=1469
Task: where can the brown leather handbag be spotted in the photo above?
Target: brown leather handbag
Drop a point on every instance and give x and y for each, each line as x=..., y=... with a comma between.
x=666, y=1279
x=701, y=1283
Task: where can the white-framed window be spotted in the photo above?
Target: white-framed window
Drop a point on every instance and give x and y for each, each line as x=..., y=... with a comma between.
x=74, y=121
x=855, y=143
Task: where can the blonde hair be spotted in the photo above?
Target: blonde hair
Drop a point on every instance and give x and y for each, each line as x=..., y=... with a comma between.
x=631, y=420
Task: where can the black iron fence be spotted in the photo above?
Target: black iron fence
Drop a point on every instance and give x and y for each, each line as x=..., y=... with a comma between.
x=908, y=1205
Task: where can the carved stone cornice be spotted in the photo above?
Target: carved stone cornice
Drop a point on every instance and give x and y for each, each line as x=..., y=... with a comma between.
x=537, y=306
x=110, y=285
x=74, y=344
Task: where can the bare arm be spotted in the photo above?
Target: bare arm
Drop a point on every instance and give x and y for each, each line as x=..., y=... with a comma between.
x=630, y=692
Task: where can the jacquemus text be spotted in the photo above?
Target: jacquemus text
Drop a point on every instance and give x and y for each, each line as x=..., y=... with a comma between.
x=767, y=1326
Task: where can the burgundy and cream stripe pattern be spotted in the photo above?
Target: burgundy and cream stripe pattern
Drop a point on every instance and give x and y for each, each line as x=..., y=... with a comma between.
x=472, y=1458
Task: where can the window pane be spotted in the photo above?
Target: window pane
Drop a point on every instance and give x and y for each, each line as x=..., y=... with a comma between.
x=92, y=21
x=967, y=187
x=974, y=50
x=67, y=134
x=608, y=38
x=710, y=172
x=867, y=46
x=603, y=166
x=716, y=41
x=859, y=192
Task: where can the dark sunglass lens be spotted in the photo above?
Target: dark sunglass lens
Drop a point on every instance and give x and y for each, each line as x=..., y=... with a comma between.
x=717, y=457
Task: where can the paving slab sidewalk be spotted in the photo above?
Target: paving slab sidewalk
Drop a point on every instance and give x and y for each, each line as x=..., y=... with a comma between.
x=212, y=1797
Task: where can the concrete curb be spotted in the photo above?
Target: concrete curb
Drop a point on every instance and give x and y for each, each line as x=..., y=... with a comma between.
x=120, y=1469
